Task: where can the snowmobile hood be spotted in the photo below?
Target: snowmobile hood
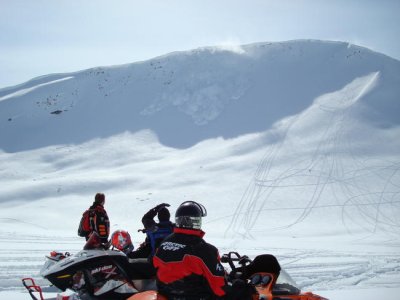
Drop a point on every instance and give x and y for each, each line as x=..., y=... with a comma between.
x=51, y=267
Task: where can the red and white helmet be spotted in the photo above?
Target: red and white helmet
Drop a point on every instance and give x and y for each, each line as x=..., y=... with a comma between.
x=121, y=240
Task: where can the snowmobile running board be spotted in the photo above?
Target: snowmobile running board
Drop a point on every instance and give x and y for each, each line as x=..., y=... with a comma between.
x=36, y=291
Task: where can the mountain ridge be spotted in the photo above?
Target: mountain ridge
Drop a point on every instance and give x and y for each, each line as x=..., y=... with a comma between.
x=189, y=96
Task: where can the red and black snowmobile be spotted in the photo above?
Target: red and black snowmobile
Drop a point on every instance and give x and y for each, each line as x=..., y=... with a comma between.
x=264, y=273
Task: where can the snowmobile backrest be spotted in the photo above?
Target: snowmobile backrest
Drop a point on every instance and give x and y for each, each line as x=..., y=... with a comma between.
x=263, y=263
x=141, y=268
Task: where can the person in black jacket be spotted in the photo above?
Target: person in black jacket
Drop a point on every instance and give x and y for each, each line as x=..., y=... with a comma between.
x=155, y=232
x=187, y=267
x=99, y=221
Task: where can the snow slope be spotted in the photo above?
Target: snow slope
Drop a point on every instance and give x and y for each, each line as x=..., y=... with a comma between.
x=192, y=96
x=293, y=148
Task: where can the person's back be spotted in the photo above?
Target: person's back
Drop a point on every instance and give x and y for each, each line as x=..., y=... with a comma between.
x=156, y=235
x=187, y=267
x=98, y=219
x=155, y=232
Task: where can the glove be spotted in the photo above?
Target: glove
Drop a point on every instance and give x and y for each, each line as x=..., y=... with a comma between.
x=107, y=245
x=241, y=290
x=159, y=206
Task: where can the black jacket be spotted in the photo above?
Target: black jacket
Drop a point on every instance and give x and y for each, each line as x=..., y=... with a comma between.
x=188, y=267
x=99, y=222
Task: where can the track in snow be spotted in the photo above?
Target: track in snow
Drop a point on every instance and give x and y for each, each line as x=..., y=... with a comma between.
x=311, y=269
x=23, y=256
x=331, y=270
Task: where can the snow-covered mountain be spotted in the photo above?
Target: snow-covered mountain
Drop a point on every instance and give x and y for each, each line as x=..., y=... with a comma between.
x=292, y=145
x=187, y=97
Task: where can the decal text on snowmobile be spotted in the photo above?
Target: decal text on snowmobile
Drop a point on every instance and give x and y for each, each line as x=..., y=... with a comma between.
x=101, y=269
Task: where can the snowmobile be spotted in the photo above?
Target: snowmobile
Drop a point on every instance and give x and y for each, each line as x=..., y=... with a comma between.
x=94, y=273
x=102, y=274
x=263, y=273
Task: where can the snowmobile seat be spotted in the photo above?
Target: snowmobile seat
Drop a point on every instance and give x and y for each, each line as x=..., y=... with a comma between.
x=141, y=268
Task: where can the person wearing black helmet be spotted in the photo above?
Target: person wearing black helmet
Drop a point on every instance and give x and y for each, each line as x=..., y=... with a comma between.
x=188, y=267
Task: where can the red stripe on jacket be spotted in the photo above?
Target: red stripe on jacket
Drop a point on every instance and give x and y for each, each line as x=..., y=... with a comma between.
x=176, y=270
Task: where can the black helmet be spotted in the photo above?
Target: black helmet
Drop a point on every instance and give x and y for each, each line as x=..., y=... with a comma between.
x=189, y=214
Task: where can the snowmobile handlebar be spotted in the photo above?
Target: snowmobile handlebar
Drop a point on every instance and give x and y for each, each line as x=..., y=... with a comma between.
x=232, y=257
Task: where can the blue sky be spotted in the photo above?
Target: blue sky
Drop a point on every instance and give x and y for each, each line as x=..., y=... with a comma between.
x=39, y=37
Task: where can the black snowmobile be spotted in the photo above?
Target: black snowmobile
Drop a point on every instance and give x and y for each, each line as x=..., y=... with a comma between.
x=94, y=274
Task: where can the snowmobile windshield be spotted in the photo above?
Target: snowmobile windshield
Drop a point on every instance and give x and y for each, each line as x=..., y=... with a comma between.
x=285, y=285
x=47, y=265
